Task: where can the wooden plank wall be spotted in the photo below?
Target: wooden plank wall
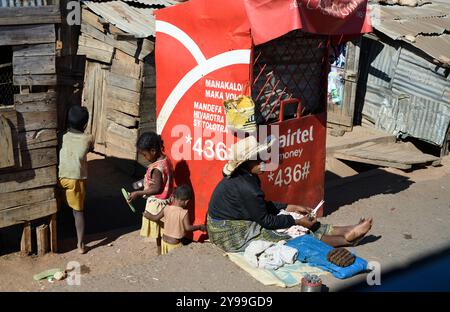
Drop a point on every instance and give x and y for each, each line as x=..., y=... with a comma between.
x=34, y=64
x=120, y=105
x=27, y=188
x=49, y=14
x=148, y=104
x=29, y=34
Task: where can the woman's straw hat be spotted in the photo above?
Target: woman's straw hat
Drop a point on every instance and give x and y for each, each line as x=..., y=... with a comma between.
x=246, y=149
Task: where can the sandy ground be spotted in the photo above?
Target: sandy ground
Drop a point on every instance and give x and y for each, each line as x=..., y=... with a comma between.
x=411, y=220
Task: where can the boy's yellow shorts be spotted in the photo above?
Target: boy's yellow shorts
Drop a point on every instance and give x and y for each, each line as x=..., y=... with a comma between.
x=73, y=192
x=166, y=247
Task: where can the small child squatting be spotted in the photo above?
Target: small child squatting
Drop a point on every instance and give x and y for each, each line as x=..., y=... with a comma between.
x=176, y=219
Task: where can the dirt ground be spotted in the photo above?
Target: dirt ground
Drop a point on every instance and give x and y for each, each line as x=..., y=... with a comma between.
x=411, y=220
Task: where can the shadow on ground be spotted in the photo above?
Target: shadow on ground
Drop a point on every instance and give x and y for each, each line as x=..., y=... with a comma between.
x=340, y=191
x=430, y=273
x=105, y=207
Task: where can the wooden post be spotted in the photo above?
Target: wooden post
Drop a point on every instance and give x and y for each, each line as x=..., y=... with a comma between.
x=53, y=234
x=42, y=239
x=25, y=244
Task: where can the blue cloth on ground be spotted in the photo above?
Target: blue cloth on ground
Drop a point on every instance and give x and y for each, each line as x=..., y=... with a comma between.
x=314, y=252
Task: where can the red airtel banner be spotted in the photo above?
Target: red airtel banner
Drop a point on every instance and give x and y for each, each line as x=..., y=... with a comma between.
x=270, y=19
x=204, y=56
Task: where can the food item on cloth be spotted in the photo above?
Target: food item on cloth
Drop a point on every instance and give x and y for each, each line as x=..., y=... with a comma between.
x=341, y=257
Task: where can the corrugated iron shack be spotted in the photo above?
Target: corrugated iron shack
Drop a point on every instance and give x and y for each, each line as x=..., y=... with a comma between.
x=404, y=83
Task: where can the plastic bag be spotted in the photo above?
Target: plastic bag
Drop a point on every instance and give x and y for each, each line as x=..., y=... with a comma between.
x=335, y=87
x=240, y=114
x=314, y=252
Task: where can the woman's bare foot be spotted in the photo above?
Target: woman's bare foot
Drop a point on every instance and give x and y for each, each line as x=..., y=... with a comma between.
x=82, y=248
x=359, y=230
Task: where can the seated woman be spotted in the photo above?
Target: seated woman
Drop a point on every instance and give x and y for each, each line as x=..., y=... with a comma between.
x=238, y=212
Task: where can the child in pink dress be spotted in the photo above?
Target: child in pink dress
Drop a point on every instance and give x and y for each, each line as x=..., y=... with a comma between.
x=158, y=182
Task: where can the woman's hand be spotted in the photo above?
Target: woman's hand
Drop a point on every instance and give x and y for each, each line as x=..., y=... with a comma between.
x=133, y=196
x=298, y=209
x=146, y=215
x=306, y=222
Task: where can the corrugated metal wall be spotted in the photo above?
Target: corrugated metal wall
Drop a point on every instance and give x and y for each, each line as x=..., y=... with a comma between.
x=405, y=94
x=380, y=64
x=23, y=3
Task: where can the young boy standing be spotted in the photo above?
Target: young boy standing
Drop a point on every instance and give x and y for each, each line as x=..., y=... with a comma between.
x=72, y=171
x=176, y=219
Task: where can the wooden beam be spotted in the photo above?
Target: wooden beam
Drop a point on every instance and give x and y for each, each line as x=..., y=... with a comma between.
x=51, y=143
x=88, y=17
x=95, y=54
x=32, y=120
x=121, y=118
x=128, y=69
x=34, y=65
x=26, y=197
x=115, y=79
x=25, y=213
x=124, y=94
x=121, y=131
x=149, y=96
x=123, y=57
x=87, y=97
x=90, y=42
x=35, y=102
x=35, y=138
x=126, y=46
x=42, y=238
x=35, y=80
x=7, y=158
x=113, y=150
x=118, y=32
x=49, y=96
x=27, y=179
x=25, y=243
x=113, y=139
x=123, y=106
x=372, y=161
x=149, y=80
x=49, y=14
x=34, y=50
x=37, y=158
x=53, y=234
x=99, y=124
x=27, y=34
x=147, y=47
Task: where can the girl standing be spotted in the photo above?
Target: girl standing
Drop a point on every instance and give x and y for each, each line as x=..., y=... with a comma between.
x=158, y=182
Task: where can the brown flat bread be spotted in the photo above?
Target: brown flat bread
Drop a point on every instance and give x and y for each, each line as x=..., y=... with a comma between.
x=341, y=257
